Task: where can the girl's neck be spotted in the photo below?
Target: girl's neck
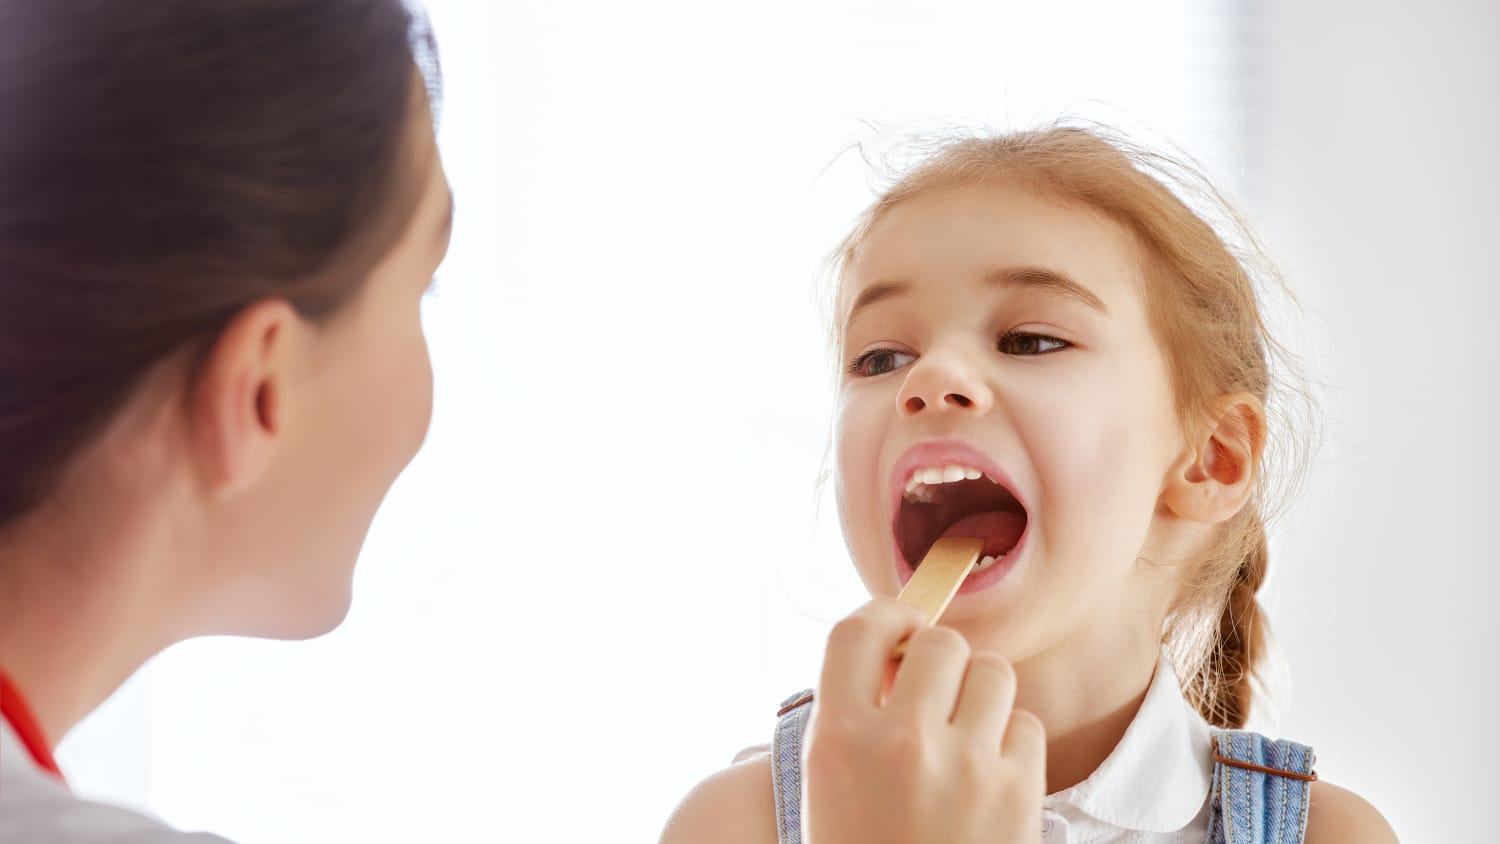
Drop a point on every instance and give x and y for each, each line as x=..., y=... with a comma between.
x=1086, y=697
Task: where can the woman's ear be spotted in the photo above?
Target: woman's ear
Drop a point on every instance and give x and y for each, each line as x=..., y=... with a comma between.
x=239, y=395
x=1216, y=473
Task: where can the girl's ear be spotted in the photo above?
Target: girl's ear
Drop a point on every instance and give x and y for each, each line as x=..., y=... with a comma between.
x=1213, y=479
x=238, y=406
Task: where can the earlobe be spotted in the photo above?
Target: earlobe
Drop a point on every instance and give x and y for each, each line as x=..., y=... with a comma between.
x=1216, y=473
x=238, y=398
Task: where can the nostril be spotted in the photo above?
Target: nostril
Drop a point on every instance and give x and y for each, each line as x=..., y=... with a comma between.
x=960, y=400
x=916, y=404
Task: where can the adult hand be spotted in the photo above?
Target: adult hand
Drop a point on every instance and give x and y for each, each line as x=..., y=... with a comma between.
x=927, y=750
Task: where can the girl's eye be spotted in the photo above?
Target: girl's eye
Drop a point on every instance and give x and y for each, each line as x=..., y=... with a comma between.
x=879, y=362
x=1025, y=343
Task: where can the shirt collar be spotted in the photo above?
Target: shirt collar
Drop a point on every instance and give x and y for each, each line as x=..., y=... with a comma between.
x=1157, y=777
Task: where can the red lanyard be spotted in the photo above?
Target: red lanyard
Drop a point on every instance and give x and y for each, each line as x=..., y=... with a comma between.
x=16, y=713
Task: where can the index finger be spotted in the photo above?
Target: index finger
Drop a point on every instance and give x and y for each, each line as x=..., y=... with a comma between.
x=859, y=651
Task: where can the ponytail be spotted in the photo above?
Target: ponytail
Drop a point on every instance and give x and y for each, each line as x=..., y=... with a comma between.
x=1221, y=691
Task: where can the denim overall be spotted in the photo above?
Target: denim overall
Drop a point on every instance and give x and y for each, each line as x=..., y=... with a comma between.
x=1259, y=795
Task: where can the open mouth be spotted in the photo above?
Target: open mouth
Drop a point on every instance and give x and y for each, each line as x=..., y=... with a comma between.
x=958, y=500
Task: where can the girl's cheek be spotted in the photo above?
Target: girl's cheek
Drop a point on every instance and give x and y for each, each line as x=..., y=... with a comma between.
x=857, y=444
x=857, y=438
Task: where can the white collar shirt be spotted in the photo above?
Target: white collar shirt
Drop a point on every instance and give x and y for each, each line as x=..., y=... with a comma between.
x=1153, y=787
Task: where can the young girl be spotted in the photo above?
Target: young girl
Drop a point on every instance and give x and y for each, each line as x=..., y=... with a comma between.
x=1046, y=348
x=217, y=222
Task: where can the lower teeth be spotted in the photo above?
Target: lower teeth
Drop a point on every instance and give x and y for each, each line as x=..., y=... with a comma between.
x=984, y=563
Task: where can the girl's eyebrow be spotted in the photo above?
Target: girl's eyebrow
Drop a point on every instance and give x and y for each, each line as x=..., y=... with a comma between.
x=1054, y=282
x=1043, y=279
x=878, y=292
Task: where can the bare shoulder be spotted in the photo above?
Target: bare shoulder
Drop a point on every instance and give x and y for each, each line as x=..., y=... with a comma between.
x=735, y=806
x=1336, y=815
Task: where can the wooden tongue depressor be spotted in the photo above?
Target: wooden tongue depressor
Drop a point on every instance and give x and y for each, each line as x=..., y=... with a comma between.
x=938, y=577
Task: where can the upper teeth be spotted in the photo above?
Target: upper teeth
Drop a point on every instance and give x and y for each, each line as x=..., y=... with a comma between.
x=918, y=486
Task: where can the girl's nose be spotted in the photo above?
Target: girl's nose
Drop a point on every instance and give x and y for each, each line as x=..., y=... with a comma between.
x=938, y=383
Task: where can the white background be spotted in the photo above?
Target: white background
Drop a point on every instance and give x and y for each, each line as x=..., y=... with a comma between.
x=613, y=557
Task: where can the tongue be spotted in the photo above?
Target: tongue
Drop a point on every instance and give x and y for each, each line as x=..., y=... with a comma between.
x=999, y=529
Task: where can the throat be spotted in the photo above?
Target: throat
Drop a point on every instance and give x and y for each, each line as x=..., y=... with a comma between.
x=999, y=529
x=1087, y=700
x=1074, y=755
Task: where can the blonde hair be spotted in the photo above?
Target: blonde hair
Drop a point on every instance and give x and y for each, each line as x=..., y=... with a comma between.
x=1203, y=288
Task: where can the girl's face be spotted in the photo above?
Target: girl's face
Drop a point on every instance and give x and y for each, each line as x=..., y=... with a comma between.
x=1001, y=381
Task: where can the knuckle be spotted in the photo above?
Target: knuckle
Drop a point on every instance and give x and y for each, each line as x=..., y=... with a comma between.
x=850, y=630
x=891, y=607
x=941, y=640
x=997, y=666
x=1028, y=724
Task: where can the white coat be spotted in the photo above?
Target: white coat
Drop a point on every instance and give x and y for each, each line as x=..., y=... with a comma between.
x=37, y=808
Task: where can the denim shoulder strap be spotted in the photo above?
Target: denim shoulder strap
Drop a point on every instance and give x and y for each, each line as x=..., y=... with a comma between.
x=786, y=765
x=1260, y=791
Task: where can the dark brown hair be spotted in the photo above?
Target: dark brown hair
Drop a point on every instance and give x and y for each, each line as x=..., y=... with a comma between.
x=1207, y=276
x=164, y=164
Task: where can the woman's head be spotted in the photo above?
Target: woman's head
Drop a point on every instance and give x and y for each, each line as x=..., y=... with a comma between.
x=216, y=224
x=1042, y=312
